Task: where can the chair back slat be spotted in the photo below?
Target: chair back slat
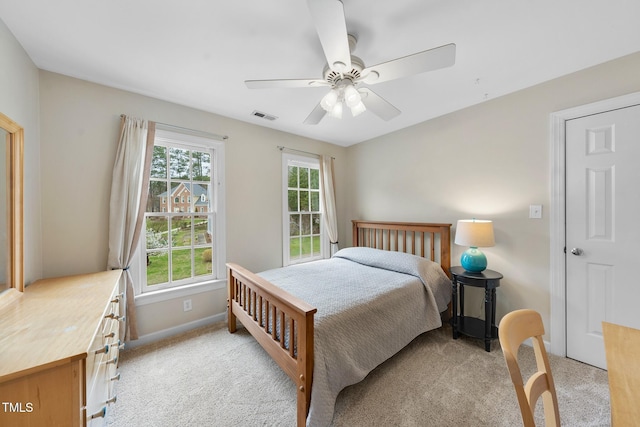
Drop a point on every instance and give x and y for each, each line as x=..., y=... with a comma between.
x=515, y=328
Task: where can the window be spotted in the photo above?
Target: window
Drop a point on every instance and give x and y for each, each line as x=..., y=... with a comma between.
x=304, y=238
x=184, y=242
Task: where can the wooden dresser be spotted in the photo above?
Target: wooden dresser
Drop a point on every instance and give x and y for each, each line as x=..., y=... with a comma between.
x=59, y=344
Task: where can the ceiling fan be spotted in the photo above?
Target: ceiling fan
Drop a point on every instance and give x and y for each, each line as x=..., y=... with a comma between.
x=344, y=73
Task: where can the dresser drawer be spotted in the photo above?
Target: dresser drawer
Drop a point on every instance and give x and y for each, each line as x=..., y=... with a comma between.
x=101, y=392
x=102, y=363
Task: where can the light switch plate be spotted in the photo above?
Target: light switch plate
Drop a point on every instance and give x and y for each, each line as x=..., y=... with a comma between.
x=535, y=211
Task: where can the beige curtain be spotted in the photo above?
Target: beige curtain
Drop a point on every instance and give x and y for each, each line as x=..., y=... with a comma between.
x=129, y=189
x=327, y=185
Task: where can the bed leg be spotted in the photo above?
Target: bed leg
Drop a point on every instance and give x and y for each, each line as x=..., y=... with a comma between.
x=303, y=401
x=231, y=322
x=305, y=368
x=231, y=318
x=302, y=418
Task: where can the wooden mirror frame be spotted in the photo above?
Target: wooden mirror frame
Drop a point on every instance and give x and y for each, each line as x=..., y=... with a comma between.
x=15, y=180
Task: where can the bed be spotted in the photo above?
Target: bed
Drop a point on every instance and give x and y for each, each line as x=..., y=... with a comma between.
x=376, y=297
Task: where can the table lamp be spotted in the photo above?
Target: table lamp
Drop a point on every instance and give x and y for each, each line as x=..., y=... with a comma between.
x=474, y=233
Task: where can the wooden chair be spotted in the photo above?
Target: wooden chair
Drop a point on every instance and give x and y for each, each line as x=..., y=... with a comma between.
x=622, y=349
x=515, y=328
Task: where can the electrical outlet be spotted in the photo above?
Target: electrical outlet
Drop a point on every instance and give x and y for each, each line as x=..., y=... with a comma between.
x=186, y=304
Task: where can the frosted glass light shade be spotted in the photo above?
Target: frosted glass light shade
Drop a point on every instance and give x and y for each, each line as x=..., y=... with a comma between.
x=329, y=100
x=357, y=109
x=347, y=93
x=351, y=96
x=336, y=111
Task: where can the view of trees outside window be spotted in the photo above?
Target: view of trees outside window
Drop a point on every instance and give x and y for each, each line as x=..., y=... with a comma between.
x=303, y=194
x=179, y=216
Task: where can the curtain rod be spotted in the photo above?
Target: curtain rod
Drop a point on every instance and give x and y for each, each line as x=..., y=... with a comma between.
x=282, y=148
x=191, y=131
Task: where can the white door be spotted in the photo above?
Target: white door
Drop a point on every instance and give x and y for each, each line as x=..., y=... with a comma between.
x=602, y=228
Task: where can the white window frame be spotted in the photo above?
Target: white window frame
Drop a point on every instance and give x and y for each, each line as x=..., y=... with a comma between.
x=308, y=162
x=216, y=280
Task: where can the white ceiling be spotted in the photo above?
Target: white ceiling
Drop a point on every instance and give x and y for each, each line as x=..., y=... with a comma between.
x=199, y=52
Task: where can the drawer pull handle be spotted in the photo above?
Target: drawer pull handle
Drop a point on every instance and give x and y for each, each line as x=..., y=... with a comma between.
x=114, y=360
x=111, y=335
x=110, y=401
x=117, y=298
x=113, y=316
x=104, y=349
x=100, y=414
x=119, y=345
x=115, y=377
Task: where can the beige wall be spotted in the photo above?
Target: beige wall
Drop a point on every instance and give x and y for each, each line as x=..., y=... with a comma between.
x=79, y=125
x=19, y=101
x=489, y=161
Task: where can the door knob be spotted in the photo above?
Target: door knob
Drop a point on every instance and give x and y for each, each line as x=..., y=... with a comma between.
x=577, y=251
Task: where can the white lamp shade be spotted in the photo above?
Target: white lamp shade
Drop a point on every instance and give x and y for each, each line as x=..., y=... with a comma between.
x=474, y=232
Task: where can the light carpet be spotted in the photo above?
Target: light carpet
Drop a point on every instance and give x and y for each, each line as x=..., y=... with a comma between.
x=209, y=377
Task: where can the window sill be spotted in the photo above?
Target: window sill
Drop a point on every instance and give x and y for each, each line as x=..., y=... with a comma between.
x=180, y=292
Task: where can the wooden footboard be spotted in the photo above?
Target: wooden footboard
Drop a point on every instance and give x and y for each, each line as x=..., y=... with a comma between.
x=280, y=322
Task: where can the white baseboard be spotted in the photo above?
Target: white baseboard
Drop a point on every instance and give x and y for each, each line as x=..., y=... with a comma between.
x=169, y=332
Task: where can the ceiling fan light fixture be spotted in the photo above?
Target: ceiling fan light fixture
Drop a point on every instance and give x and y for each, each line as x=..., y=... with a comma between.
x=336, y=111
x=358, y=109
x=351, y=96
x=330, y=100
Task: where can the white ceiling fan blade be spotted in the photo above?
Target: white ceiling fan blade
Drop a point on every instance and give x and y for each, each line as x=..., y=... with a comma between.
x=284, y=83
x=428, y=60
x=328, y=17
x=316, y=115
x=377, y=105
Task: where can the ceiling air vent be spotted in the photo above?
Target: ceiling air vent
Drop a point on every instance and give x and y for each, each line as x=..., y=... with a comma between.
x=263, y=115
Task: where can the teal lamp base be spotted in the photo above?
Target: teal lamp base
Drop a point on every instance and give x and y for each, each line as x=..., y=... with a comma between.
x=473, y=260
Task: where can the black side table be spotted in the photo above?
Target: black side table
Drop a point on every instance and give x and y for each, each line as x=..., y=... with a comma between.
x=483, y=329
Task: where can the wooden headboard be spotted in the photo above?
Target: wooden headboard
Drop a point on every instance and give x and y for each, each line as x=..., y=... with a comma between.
x=428, y=240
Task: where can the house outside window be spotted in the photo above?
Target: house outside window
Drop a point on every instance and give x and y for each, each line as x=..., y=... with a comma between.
x=184, y=217
x=304, y=237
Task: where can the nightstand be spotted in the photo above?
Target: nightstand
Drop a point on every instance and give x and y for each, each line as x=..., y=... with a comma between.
x=477, y=328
